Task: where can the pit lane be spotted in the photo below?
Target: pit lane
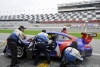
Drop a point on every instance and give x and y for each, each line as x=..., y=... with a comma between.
x=93, y=61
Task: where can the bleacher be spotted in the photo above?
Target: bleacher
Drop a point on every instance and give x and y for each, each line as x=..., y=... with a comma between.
x=53, y=20
x=79, y=15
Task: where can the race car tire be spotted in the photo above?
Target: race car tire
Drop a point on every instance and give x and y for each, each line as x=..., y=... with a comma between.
x=20, y=52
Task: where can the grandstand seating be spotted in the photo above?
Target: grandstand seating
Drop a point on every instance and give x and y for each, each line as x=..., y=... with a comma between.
x=79, y=15
x=67, y=16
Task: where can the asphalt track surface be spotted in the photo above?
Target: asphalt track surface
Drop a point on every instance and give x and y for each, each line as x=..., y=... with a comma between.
x=93, y=61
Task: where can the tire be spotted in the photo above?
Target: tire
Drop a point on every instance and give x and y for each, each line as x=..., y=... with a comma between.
x=20, y=52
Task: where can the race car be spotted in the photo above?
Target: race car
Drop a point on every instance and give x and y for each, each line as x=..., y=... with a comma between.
x=59, y=41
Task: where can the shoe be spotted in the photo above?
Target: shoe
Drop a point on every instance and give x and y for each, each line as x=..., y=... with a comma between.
x=13, y=66
x=49, y=62
x=18, y=62
x=8, y=66
x=4, y=51
x=35, y=64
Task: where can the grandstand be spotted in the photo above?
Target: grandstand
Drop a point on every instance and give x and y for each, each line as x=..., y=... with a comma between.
x=79, y=6
x=73, y=15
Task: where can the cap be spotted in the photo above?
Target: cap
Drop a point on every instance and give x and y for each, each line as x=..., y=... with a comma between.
x=44, y=31
x=20, y=27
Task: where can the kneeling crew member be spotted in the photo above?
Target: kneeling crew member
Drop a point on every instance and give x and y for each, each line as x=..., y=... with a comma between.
x=71, y=54
x=42, y=41
x=13, y=40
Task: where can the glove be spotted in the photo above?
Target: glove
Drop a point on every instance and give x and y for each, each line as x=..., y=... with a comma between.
x=78, y=61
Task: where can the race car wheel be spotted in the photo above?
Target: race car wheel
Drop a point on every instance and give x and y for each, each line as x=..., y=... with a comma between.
x=20, y=52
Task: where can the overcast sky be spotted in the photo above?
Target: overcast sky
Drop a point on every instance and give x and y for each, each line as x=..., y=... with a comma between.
x=31, y=6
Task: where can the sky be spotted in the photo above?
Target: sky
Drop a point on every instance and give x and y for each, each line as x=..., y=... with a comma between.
x=10, y=7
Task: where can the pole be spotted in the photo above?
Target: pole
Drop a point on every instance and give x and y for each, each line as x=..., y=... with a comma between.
x=24, y=11
x=29, y=12
x=33, y=11
x=38, y=11
x=86, y=26
x=11, y=12
x=43, y=11
x=3, y=12
x=15, y=12
x=20, y=11
x=52, y=10
x=7, y=12
x=47, y=11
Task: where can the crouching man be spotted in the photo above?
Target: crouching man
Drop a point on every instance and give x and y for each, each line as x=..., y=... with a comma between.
x=71, y=54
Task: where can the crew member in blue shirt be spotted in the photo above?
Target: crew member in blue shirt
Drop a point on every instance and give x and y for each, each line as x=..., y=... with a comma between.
x=13, y=40
x=42, y=41
x=71, y=54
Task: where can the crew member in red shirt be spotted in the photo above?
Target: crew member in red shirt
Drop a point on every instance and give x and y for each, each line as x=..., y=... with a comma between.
x=64, y=30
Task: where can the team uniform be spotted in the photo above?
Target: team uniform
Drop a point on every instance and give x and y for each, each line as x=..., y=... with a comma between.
x=13, y=40
x=42, y=41
x=70, y=55
x=64, y=30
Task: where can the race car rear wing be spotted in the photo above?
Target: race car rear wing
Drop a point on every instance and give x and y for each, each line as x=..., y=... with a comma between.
x=87, y=36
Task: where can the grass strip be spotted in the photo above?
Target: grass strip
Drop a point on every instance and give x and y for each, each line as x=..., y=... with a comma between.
x=35, y=32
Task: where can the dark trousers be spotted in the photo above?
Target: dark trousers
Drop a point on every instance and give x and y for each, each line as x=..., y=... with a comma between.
x=69, y=64
x=42, y=47
x=4, y=51
x=13, y=48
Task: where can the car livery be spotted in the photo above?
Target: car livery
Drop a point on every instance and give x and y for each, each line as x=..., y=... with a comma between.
x=60, y=41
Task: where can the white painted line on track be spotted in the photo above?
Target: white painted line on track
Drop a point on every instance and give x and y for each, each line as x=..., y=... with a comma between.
x=96, y=54
x=2, y=41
